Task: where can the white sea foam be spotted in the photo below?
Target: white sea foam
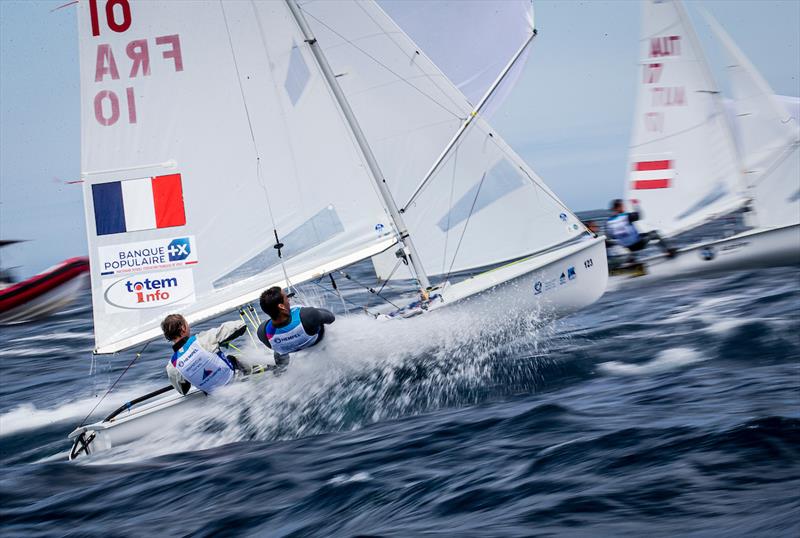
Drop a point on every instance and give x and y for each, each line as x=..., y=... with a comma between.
x=345, y=478
x=351, y=379
x=29, y=417
x=724, y=326
x=55, y=337
x=668, y=359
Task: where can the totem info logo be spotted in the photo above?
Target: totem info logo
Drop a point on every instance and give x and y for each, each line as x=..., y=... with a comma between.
x=147, y=255
x=148, y=291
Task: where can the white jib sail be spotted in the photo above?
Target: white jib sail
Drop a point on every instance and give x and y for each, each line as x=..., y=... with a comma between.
x=471, y=42
x=683, y=164
x=484, y=205
x=206, y=126
x=769, y=138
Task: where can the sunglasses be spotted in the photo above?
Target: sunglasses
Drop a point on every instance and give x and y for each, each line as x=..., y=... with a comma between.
x=289, y=295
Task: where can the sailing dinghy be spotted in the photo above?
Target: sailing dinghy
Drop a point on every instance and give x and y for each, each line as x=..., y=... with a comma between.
x=685, y=167
x=229, y=147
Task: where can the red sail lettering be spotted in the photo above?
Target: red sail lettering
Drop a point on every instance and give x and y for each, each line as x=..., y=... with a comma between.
x=137, y=51
x=174, y=52
x=665, y=46
x=106, y=65
x=651, y=73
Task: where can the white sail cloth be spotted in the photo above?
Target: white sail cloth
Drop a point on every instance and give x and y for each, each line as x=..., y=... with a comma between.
x=683, y=164
x=484, y=205
x=769, y=138
x=471, y=42
x=206, y=125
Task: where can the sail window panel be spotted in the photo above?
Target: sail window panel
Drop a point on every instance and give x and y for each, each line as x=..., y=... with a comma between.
x=320, y=228
x=501, y=180
x=297, y=76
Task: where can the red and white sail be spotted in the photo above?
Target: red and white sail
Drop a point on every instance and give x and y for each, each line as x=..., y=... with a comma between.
x=683, y=164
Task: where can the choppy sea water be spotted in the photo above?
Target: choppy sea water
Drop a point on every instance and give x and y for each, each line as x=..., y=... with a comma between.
x=665, y=410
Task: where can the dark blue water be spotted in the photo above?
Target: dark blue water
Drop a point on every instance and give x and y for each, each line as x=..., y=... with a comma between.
x=660, y=411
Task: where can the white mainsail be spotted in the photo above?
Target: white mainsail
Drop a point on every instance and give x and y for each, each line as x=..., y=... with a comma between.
x=769, y=137
x=484, y=205
x=201, y=135
x=683, y=164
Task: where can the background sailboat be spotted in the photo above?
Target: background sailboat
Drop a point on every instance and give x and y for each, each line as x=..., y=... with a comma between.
x=229, y=147
x=685, y=167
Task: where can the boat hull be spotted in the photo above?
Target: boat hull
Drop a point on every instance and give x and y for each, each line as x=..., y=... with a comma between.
x=45, y=293
x=557, y=283
x=755, y=249
x=553, y=284
x=133, y=424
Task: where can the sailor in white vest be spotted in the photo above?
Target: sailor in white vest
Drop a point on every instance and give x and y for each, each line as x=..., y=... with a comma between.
x=197, y=359
x=621, y=229
x=290, y=329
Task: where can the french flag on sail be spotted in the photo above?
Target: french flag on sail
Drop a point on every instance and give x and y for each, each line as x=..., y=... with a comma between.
x=652, y=174
x=138, y=204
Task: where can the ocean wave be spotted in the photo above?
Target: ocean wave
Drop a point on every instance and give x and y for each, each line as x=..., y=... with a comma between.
x=666, y=360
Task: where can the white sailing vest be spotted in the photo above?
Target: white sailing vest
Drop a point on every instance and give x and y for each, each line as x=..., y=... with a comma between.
x=205, y=370
x=621, y=229
x=290, y=338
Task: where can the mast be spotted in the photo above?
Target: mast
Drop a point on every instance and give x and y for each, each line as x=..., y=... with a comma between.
x=467, y=122
x=363, y=145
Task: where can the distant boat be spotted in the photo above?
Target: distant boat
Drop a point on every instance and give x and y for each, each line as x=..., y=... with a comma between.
x=686, y=166
x=45, y=293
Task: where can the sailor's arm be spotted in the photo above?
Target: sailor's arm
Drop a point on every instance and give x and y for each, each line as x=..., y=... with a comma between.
x=211, y=339
x=314, y=318
x=177, y=380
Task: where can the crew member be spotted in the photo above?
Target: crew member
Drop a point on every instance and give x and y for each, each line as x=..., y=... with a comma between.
x=198, y=360
x=620, y=227
x=290, y=329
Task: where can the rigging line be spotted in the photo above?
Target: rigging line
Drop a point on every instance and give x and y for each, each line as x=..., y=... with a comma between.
x=339, y=293
x=386, y=281
x=450, y=204
x=369, y=289
x=457, y=115
x=249, y=333
x=553, y=197
x=135, y=358
x=468, y=121
x=255, y=313
x=464, y=231
x=250, y=122
x=289, y=147
x=777, y=159
x=417, y=50
x=278, y=246
x=250, y=320
x=364, y=308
